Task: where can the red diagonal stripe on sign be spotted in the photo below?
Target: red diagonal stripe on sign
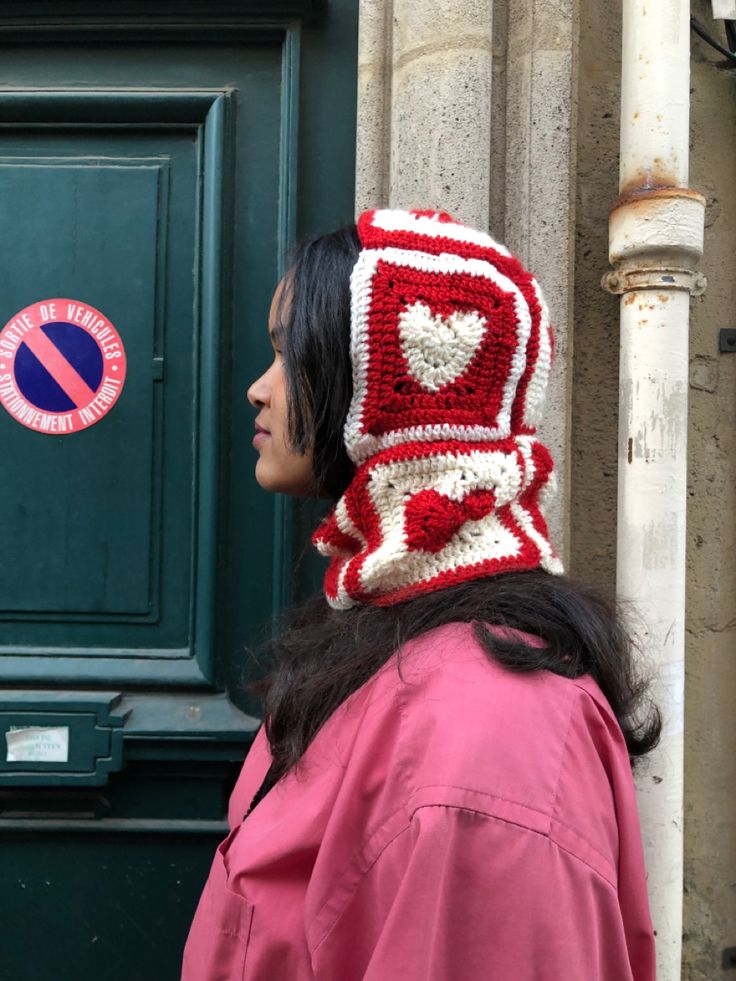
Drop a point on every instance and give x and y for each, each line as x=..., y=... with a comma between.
x=66, y=377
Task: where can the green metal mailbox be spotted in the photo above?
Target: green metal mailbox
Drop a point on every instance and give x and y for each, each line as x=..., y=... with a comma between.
x=156, y=162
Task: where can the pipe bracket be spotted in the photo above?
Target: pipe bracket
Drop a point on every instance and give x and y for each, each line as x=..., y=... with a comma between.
x=656, y=241
x=621, y=281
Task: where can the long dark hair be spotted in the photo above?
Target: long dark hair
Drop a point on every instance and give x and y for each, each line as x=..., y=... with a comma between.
x=314, y=313
x=322, y=655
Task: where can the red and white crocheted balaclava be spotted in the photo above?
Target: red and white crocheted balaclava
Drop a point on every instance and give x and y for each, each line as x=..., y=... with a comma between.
x=451, y=349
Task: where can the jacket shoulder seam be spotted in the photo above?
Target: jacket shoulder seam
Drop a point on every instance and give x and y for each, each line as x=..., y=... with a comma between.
x=556, y=831
x=336, y=908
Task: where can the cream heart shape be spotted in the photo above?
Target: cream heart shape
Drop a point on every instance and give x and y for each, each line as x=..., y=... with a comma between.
x=439, y=349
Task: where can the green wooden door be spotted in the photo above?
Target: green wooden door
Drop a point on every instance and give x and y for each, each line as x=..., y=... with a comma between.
x=156, y=162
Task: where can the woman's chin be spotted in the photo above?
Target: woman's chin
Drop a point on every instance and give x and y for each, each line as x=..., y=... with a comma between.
x=277, y=482
x=266, y=479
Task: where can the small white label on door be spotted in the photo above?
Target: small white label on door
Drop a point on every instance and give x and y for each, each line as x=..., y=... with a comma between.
x=38, y=744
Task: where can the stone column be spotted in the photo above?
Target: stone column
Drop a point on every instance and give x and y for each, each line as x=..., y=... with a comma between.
x=424, y=111
x=539, y=222
x=467, y=106
x=373, y=137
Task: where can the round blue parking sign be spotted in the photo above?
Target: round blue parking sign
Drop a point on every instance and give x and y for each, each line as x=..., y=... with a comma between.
x=62, y=366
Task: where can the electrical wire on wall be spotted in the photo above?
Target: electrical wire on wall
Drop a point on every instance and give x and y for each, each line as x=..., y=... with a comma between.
x=728, y=52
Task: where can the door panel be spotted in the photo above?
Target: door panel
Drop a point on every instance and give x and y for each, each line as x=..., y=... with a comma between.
x=75, y=214
x=122, y=207
x=134, y=922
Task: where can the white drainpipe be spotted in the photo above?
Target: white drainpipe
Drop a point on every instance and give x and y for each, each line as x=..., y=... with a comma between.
x=656, y=240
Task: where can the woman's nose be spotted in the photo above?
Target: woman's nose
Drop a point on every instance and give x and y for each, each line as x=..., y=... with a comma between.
x=257, y=394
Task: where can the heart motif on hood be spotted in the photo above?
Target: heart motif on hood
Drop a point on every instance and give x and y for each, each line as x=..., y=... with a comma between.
x=439, y=349
x=431, y=518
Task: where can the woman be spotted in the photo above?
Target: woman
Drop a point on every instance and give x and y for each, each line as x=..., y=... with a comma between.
x=442, y=788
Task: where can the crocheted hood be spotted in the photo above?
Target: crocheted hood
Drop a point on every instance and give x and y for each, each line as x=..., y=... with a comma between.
x=451, y=349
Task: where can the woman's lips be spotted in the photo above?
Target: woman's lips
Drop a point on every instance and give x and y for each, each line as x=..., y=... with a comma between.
x=261, y=436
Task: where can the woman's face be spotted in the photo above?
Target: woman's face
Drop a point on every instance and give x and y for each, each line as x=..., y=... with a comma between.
x=279, y=467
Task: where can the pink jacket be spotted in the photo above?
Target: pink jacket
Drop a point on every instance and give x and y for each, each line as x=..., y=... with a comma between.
x=450, y=821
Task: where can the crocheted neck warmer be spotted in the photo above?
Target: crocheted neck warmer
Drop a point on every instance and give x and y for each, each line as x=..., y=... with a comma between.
x=451, y=349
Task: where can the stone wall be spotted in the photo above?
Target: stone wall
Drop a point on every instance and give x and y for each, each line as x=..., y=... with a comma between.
x=710, y=693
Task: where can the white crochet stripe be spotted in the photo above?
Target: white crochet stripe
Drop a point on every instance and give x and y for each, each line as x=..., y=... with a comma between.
x=524, y=443
x=403, y=221
x=549, y=560
x=553, y=563
x=454, y=475
x=548, y=491
x=345, y=522
x=369, y=445
x=360, y=302
x=342, y=600
x=537, y=387
x=360, y=445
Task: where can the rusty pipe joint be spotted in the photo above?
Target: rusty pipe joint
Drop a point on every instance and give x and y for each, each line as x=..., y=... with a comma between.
x=656, y=241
